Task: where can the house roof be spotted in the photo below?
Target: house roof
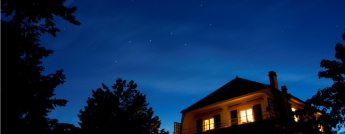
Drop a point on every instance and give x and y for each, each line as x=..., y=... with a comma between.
x=235, y=87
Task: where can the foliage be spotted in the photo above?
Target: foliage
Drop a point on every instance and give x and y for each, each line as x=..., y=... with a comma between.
x=123, y=109
x=62, y=128
x=310, y=120
x=26, y=92
x=35, y=17
x=330, y=101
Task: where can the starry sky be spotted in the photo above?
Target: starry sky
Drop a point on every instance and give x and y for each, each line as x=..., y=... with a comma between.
x=179, y=51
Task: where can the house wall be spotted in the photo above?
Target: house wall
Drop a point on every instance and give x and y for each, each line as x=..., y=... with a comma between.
x=224, y=108
x=296, y=103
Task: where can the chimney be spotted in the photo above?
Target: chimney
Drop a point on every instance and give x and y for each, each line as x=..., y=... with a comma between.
x=273, y=79
x=284, y=89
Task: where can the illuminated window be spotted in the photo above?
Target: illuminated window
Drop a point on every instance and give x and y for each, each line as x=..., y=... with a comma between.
x=318, y=114
x=247, y=116
x=293, y=110
x=320, y=128
x=208, y=124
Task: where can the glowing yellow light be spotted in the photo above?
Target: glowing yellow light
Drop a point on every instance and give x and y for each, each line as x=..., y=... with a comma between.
x=320, y=128
x=243, y=117
x=294, y=117
x=293, y=109
x=206, y=125
x=247, y=116
x=209, y=124
x=250, y=115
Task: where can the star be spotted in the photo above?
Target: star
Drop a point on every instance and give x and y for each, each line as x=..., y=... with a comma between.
x=170, y=33
x=201, y=5
x=150, y=40
x=129, y=41
x=116, y=61
x=185, y=44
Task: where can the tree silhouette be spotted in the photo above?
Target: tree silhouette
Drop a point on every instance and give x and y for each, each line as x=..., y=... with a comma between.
x=35, y=17
x=62, y=128
x=123, y=109
x=330, y=101
x=26, y=92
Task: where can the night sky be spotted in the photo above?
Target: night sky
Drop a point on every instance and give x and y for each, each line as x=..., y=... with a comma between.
x=179, y=51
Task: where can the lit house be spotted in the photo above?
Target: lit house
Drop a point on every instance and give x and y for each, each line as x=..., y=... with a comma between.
x=241, y=106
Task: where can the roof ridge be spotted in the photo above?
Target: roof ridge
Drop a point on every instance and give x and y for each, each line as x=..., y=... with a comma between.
x=236, y=81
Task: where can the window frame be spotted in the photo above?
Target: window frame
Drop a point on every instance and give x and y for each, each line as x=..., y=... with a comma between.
x=234, y=117
x=248, y=113
x=210, y=125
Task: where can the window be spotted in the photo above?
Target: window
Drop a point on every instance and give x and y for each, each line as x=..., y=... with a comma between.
x=208, y=124
x=320, y=128
x=217, y=121
x=257, y=112
x=294, y=117
x=247, y=116
x=271, y=108
x=199, y=126
x=233, y=115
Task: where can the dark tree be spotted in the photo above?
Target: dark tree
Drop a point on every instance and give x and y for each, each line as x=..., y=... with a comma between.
x=120, y=110
x=62, y=128
x=330, y=101
x=35, y=17
x=311, y=119
x=27, y=94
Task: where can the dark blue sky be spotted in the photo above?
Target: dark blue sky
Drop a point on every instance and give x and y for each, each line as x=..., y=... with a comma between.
x=179, y=51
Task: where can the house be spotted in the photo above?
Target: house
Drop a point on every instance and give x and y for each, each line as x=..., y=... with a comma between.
x=242, y=106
